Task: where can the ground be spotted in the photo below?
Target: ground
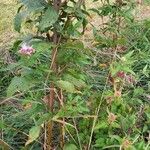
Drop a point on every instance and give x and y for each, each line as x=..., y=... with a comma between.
x=8, y=10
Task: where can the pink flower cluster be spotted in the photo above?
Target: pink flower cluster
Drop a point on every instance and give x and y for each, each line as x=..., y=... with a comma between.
x=26, y=50
x=121, y=74
x=128, y=78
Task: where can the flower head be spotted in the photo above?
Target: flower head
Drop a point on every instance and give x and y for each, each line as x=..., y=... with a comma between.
x=126, y=144
x=117, y=93
x=26, y=50
x=130, y=79
x=112, y=118
x=121, y=74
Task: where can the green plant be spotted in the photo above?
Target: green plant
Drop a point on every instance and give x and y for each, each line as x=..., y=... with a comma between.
x=50, y=63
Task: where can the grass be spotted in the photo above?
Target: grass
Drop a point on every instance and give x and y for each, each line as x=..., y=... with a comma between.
x=7, y=34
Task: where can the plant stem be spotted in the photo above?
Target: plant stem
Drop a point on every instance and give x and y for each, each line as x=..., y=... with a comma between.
x=53, y=67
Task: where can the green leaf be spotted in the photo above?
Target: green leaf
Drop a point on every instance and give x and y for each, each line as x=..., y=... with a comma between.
x=49, y=18
x=77, y=82
x=2, y=125
x=41, y=46
x=115, y=125
x=101, y=125
x=76, y=45
x=145, y=71
x=34, y=5
x=70, y=147
x=33, y=134
x=18, y=84
x=100, y=142
x=95, y=10
x=10, y=67
x=44, y=118
x=19, y=18
x=129, y=55
x=67, y=86
x=106, y=10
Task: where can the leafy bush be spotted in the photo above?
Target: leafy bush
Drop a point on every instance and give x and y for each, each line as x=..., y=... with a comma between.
x=61, y=98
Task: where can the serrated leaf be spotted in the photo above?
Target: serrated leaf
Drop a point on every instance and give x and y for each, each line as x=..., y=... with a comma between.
x=18, y=84
x=49, y=18
x=67, y=86
x=34, y=5
x=33, y=134
x=70, y=147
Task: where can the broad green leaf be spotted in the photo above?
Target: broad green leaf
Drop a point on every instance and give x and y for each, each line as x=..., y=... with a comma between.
x=34, y=5
x=116, y=137
x=101, y=125
x=77, y=45
x=67, y=86
x=16, y=45
x=45, y=117
x=77, y=82
x=70, y=147
x=33, y=134
x=18, y=84
x=41, y=45
x=49, y=18
x=115, y=125
x=100, y=141
x=19, y=18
